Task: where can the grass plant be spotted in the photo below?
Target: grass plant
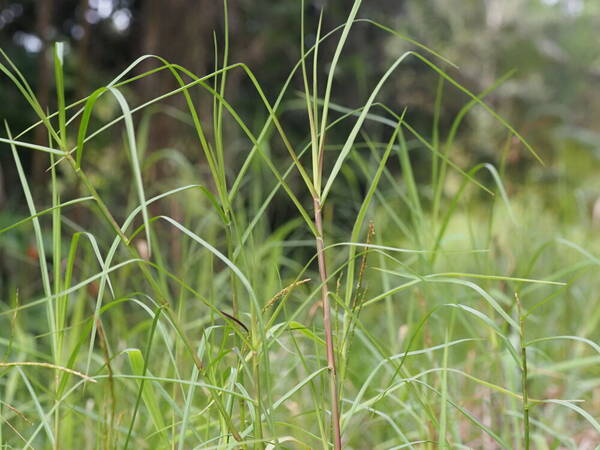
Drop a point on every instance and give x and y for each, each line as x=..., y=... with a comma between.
x=390, y=309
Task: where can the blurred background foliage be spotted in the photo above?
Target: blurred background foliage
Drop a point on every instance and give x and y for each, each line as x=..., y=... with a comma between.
x=551, y=45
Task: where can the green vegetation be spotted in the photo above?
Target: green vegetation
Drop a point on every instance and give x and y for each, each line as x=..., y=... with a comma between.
x=342, y=296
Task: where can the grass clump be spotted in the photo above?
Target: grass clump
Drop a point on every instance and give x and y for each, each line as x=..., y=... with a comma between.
x=385, y=312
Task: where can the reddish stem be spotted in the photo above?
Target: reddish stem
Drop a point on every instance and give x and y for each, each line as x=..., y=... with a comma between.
x=335, y=413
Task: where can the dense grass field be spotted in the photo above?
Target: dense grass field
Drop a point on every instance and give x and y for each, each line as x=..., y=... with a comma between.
x=365, y=286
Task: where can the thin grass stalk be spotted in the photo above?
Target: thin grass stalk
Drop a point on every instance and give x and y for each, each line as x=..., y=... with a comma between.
x=333, y=391
x=232, y=230
x=62, y=302
x=524, y=385
x=61, y=307
x=435, y=133
x=317, y=153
